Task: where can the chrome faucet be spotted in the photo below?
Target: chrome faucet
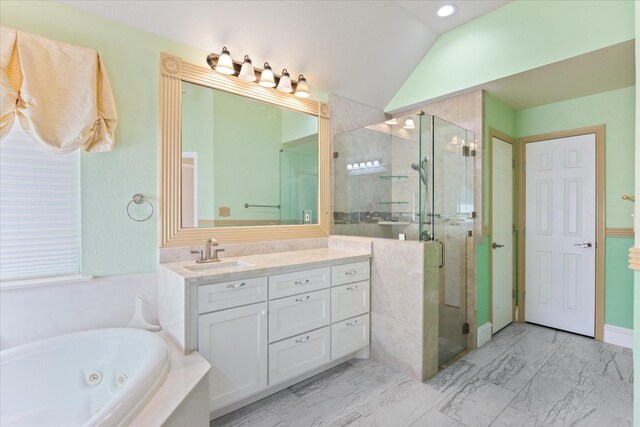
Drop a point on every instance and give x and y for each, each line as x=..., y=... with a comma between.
x=210, y=253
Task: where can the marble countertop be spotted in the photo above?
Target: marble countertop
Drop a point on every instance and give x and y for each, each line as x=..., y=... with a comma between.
x=266, y=264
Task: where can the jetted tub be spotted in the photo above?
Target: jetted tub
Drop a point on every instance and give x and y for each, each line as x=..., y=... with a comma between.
x=100, y=377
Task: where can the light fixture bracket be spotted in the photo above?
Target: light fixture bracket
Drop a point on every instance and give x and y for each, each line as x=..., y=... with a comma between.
x=212, y=60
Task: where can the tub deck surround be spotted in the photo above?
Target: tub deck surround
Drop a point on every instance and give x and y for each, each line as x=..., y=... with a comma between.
x=183, y=397
x=177, y=285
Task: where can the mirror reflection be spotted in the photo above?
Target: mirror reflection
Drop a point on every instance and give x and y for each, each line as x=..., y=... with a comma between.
x=245, y=162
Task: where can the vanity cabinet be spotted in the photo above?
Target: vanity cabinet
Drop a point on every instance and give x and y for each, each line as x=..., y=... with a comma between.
x=234, y=341
x=263, y=333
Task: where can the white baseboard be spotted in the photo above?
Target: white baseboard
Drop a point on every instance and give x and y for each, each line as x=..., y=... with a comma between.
x=618, y=336
x=484, y=334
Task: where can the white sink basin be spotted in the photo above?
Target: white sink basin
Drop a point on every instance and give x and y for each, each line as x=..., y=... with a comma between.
x=221, y=265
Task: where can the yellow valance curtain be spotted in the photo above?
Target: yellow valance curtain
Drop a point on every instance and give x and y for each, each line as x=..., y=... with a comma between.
x=60, y=93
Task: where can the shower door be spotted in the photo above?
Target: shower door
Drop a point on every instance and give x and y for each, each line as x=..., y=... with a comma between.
x=452, y=217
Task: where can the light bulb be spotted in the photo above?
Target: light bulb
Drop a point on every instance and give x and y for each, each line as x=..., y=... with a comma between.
x=284, y=85
x=393, y=121
x=247, y=72
x=447, y=10
x=302, y=90
x=225, y=63
x=266, y=79
x=408, y=124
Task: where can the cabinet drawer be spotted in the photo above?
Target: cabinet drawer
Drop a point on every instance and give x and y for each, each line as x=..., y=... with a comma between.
x=297, y=314
x=349, y=300
x=284, y=285
x=349, y=273
x=298, y=355
x=349, y=336
x=231, y=294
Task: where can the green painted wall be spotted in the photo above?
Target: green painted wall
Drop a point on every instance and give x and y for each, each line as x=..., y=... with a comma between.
x=636, y=227
x=514, y=38
x=618, y=279
x=247, y=156
x=482, y=282
x=499, y=116
x=615, y=109
x=111, y=242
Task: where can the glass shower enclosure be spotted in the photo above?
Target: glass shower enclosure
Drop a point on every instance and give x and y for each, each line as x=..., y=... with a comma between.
x=413, y=177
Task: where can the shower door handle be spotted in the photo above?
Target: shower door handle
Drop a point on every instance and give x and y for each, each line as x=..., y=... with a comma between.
x=497, y=245
x=441, y=254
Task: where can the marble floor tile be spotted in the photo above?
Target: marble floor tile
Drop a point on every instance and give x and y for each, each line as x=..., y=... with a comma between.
x=257, y=418
x=507, y=371
x=526, y=375
x=476, y=403
x=511, y=417
x=501, y=342
x=436, y=419
x=453, y=377
x=540, y=395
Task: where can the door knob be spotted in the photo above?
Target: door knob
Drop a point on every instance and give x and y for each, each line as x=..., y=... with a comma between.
x=496, y=245
x=584, y=244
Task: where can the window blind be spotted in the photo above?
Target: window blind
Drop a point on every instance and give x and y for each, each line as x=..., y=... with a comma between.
x=39, y=209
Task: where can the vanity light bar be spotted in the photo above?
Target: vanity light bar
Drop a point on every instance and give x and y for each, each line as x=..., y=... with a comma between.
x=245, y=70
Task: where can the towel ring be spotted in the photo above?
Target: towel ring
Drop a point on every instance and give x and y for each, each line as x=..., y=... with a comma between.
x=138, y=199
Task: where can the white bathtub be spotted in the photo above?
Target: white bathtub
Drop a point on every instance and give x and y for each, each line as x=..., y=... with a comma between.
x=101, y=377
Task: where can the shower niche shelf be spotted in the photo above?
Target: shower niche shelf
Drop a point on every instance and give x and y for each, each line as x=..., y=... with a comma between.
x=393, y=177
x=367, y=171
x=394, y=222
x=393, y=203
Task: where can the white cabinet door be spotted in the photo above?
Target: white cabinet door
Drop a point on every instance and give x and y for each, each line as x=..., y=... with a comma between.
x=235, y=343
x=349, y=300
x=299, y=354
x=349, y=336
x=294, y=315
x=560, y=246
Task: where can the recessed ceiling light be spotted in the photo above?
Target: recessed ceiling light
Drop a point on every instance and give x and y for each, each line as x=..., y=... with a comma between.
x=447, y=10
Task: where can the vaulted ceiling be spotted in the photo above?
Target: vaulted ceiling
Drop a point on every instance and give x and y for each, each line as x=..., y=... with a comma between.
x=362, y=50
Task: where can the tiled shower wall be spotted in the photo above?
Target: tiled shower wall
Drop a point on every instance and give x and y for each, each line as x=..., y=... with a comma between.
x=347, y=115
x=465, y=110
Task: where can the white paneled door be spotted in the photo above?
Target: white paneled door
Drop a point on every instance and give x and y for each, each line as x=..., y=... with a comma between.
x=560, y=233
x=502, y=233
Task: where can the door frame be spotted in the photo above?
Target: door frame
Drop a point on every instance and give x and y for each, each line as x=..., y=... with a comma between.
x=494, y=133
x=600, y=133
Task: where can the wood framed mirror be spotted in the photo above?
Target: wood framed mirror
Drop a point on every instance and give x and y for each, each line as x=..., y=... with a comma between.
x=232, y=205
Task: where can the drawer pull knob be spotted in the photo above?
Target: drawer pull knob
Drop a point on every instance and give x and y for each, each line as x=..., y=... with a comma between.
x=353, y=322
x=351, y=273
x=302, y=282
x=302, y=299
x=352, y=288
x=303, y=340
x=236, y=285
